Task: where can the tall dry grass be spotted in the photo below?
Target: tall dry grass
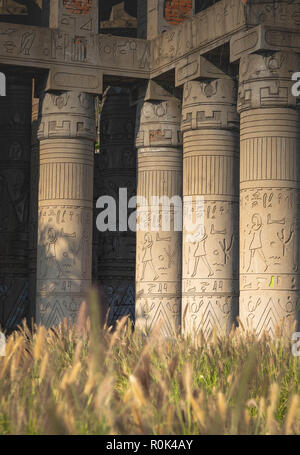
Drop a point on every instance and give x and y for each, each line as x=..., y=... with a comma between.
x=90, y=380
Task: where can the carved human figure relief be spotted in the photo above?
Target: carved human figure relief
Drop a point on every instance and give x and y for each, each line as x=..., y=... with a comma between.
x=210, y=171
x=158, y=265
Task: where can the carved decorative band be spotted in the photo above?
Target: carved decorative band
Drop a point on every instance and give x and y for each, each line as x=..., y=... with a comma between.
x=209, y=105
x=60, y=126
x=159, y=183
x=210, y=175
x=69, y=151
x=211, y=163
x=65, y=181
x=265, y=80
x=158, y=123
x=269, y=145
x=209, y=117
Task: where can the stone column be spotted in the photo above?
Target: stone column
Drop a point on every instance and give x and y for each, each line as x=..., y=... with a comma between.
x=33, y=212
x=269, y=207
x=115, y=169
x=15, y=122
x=210, y=170
x=64, y=256
x=158, y=264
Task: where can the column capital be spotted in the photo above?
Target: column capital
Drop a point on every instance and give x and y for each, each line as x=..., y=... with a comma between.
x=158, y=123
x=209, y=104
x=266, y=80
x=67, y=115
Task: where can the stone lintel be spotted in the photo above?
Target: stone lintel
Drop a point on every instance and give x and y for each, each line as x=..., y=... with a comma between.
x=264, y=38
x=175, y=49
x=76, y=79
x=154, y=90
x=39, y=47
x=195, y=67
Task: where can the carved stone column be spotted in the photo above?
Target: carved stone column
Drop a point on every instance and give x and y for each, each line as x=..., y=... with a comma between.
x=115, y=169
x=15, y=122
x=210, y=170
x=269, y=226
x=64, y=257
x=33, y=212
x=158, y=265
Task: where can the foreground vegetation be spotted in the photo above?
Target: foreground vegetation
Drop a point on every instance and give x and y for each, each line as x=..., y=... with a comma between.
x=83, y=380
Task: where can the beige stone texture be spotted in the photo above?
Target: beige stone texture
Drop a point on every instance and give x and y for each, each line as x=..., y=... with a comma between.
x=158, y=260
x=210, y=170
x=33, y=213
x=269, y=192
x=64, y=253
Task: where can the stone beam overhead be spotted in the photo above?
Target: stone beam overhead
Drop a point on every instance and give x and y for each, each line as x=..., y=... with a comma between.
x=195, y=66
x=78, y=60
x=264, y=38
x=201, y=33
x=39, y=47
x=215, y=26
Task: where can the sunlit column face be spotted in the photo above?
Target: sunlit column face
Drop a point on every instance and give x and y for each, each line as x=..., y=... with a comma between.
x=269, y=193
x=67, y=135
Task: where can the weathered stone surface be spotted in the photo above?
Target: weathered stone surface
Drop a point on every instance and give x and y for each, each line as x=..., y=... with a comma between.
x=210, y=170
x=154, y=90
x=204, y=31
x=264, y=38
x=119, y=19
x=64, y=259
x=269, y=192
x=78, y=62
x=115, y=168
x=39, y=47
x=75, y=79
x=8, y=7
x=128, y=57
x=158, y=261
x=195, y=66
x=33, y=212
x=282, y=13
x=161, y=14
x=15, y=121
x=75, y=16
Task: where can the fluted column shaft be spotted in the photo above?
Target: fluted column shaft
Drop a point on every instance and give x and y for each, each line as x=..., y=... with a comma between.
x=210, y=170
x=269, y=227
x=158, y=265
x=64, y=255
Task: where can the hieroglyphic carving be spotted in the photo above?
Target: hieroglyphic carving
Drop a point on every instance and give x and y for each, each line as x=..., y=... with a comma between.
x=197, y=34
x=33, y=217
x=158, y=263
x=115, y=168
x=261, y=38
x=15, y=121
x=281, y=13
x=129, y=57
x=67, y=135
x=269, y=219
x=46, y=48
x=210, y=169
